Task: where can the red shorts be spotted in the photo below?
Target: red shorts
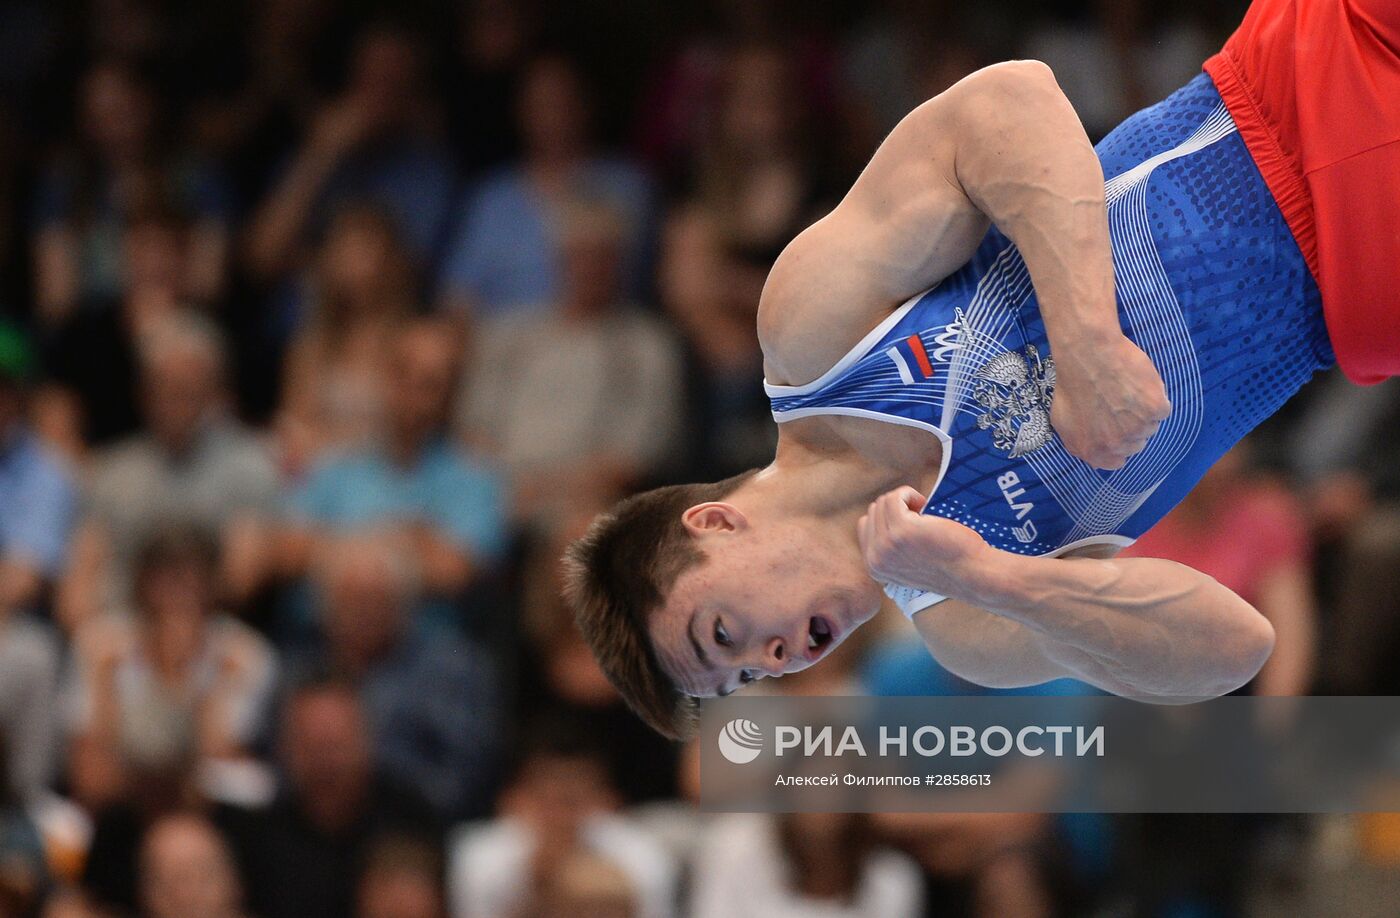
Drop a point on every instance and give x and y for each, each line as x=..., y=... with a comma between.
x=1314, y=87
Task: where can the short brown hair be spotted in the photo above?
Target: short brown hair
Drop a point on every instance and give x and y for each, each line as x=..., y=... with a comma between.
x=618, y=574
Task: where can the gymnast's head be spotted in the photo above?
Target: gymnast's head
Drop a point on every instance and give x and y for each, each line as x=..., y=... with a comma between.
x=692, y=591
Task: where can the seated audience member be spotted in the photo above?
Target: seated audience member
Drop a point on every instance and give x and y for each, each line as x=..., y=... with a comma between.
x=561, y=802
x=37, y=506
x=505, y=255
x=68, y=903
x=173, y=680
x=433, y=700
x=990, y=864
x=187, y=871
x=191, y=463
x=1250, y=534
x=582, y=402
x=402, y=878
x=492, y=41
x=91, y=355
x=801, y=864
x=1341, y=447
x=118, y=166
x=582, y=885
x=302, y=854
x=132, y=799
x=1363, y=636
x=759, y=172
x=40, y=499
x=1116, y=60
x=24, y=869
x=560, y=674
x=378, y=141
x=446, y=505
x=711, y=295
x=361, y=292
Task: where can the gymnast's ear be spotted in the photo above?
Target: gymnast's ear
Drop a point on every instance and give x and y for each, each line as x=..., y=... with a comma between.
x=713, y=517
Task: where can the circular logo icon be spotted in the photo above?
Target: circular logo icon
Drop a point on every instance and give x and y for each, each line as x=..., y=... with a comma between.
x=740, y=741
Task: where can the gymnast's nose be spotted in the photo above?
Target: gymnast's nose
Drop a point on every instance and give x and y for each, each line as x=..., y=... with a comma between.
x=776, y=657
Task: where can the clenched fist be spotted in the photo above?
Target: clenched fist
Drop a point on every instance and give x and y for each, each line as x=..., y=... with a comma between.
x=1109, y=399
x=904, y=547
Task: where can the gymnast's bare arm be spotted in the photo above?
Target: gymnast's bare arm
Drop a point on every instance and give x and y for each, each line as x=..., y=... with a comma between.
x=1142, y=628
x=1002, y=144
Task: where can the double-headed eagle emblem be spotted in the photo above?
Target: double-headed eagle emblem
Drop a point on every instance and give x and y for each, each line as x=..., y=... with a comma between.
x=1014, y=391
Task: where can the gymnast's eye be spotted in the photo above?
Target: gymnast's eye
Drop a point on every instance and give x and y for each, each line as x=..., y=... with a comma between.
x=745, y=677
x=722, y=636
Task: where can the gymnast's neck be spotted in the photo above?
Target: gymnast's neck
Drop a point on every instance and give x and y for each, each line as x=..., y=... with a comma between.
x=832, y=466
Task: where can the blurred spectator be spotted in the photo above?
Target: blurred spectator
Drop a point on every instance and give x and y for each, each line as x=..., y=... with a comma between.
x=402, y=878
x=122, y=163
x=378, y=141
x=505, y=255
x=336, y=368
x=1111, y=60
x=881, y=60
x=39, y=504
x=711, y=294
x=1339, y=445
x=687, y=90
x=582, y=885
x=445, y=504
x=801, y=864
x=191, y=463
x=266, y=70
x=904, y=53
x=24, y=872
x=494, y=40
x=758, y=171
x=125, y=800
x=559, y=674
x=583, y=402
x=1251, y=535
x=1364, y=634
x=187, y=871
x=561, y=802
x=991, y=863
x=92, y=354
x=301, y=855
x=68, y=903
x=176, y=681
x=36, y=515
x=433, y=700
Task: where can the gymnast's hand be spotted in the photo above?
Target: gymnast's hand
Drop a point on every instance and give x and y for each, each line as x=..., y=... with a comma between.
x=1109, y=399
x=904, y=547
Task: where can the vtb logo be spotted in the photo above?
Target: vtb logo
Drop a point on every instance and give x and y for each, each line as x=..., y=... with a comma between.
x=740, y=741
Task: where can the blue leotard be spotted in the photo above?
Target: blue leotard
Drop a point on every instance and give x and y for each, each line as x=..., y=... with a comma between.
x=1210, y=284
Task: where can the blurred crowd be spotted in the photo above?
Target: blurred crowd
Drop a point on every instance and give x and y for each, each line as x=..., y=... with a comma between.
x=324, y=326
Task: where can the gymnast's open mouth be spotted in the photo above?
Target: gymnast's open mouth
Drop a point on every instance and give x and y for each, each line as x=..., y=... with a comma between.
x=821, y=636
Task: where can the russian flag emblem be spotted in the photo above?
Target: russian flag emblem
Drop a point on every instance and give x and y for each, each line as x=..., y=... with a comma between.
x=911, y=360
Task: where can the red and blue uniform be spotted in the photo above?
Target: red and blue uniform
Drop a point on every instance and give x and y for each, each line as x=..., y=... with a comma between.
x=1253, y=216
x=1314, y=88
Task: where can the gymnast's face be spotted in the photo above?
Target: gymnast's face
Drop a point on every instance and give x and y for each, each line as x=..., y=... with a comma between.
x=770, y=597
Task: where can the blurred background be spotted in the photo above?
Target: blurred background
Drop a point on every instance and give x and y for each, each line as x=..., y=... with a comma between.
x=325, y=326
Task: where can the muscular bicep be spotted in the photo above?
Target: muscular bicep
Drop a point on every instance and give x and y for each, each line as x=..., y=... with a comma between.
x=906, y=223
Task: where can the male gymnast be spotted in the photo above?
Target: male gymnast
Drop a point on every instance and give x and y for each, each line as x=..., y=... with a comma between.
x=992, y=369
